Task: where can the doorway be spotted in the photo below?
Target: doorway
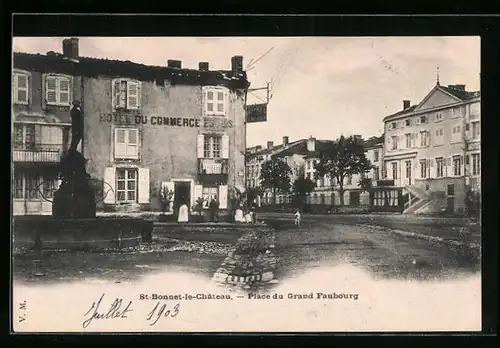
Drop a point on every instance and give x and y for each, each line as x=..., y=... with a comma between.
x=182, y=195
x=354, y=198
x=450, y=198
x=408, y=172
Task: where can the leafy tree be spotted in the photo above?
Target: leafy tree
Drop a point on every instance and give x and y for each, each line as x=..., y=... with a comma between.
x=302, y=187
x=365, y=184
x=344, y=157
x=275, y=175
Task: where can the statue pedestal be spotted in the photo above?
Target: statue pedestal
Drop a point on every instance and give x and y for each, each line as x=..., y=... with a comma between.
x=75, y=198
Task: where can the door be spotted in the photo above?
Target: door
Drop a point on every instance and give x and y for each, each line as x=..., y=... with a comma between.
x=354, y=198
x=182, y=195
x=408, y=173
x=450, y=198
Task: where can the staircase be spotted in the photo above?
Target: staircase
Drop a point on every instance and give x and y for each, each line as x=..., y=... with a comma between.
x=423, y=202
x=418, y=198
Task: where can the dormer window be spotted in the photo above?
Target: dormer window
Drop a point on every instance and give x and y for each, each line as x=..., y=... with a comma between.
x=20, y=87
x=58, y=90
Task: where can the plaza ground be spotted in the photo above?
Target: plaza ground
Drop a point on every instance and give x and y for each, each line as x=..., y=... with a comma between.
x=369, y=242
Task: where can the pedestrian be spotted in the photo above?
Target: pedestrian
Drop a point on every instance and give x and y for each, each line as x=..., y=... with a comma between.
x=297, y=218
x=214, y=208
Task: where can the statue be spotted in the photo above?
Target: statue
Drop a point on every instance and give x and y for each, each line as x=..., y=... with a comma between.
x=75, y=198
x=76, y=125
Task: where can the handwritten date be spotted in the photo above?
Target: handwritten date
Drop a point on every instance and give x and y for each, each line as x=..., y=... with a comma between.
x=162, y=311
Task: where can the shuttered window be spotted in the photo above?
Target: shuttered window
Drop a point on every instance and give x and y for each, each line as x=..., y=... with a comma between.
x=58, y=90
x=20, y=88
x=215, y=101
x=126, y=94
x=126, y=143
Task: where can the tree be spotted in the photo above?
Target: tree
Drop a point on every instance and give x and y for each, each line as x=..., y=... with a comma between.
x=275, y=175
x=365, y=184
x=302, y=187
x=344, y=157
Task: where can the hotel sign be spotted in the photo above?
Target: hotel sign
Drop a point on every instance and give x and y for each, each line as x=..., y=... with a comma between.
x=256, y=113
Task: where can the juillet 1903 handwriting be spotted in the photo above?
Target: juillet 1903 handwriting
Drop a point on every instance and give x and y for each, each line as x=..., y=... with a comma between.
x=119, y=310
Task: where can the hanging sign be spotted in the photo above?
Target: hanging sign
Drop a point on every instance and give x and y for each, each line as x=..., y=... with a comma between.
x=256, y=113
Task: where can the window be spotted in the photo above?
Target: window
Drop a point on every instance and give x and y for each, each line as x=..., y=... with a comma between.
x=126, y=94
x=17, y=187
x=393, y=125
x=476, y=130
x=423, y=169
x=349, y=180
x=126, y=185
x=212, y=146
x=457, y=165
x=456, y=111
x=127, y=143
x=423, y=119
x=20, y=88
x=475, y=108
x=408, y=123
x=424, y=138
x=439, y=167
x=215, y=101
x=408, y=139
x=439, y=136
x=58, y=90
x=395, y=170
x=456, y=133
x=32, y=182
x=375, y=156
x=394, y=142
x=438, y=117
x=476, y=164
x=376, y=173
x=208, y=194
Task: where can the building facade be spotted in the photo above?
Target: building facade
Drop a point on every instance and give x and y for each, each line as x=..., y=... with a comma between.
x=433, y=150
x=148, y=127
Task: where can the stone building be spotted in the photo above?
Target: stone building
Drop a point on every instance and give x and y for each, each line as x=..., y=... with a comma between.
x=150, y=127
x=433, y=149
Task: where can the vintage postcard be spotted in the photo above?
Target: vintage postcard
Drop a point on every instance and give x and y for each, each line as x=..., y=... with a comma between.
x=246, y=184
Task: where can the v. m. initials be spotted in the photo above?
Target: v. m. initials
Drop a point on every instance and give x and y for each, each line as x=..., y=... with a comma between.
x=22, y=307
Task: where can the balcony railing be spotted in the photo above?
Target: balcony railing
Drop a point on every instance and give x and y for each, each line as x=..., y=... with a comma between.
x=37, y=153
x=212, y=170
x=212, y=166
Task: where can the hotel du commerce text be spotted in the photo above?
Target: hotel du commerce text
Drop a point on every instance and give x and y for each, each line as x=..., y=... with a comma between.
x=147, y=130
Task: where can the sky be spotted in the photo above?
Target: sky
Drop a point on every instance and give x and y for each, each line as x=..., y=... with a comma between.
x=320, y=86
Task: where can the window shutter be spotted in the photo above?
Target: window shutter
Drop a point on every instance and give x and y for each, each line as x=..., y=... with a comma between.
x=429, y=138
x=225, y=146
x=38, y=135
x=120, y=143
x=200, y=145
x=51, y=89
x=132, y=95
x=115, y=93
x=198, y=192
x=109, y=185
x=64, y=88
x=15, y=85
x=132, y=143
x=223, y=196
x=143, y=194
x=46, y=136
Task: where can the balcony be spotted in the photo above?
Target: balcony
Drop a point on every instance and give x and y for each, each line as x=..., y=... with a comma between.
x=212, y=170
x=37, y=153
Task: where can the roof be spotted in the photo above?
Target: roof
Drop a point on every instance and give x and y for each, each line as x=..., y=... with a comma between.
x=463, y=95
x=374, y=141
x=92, y=67
x=460, y=94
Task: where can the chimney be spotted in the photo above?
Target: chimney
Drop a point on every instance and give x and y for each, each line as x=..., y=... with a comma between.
x=270, y=145
x=237, y=65
x=258, y=147
x=311, y=144
x=171, y=63
x=285, y=141
x=203, y=66
x=70, y=48
x=406, y=104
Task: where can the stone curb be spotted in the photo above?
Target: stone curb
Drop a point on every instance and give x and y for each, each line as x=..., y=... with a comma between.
x=426, y=237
